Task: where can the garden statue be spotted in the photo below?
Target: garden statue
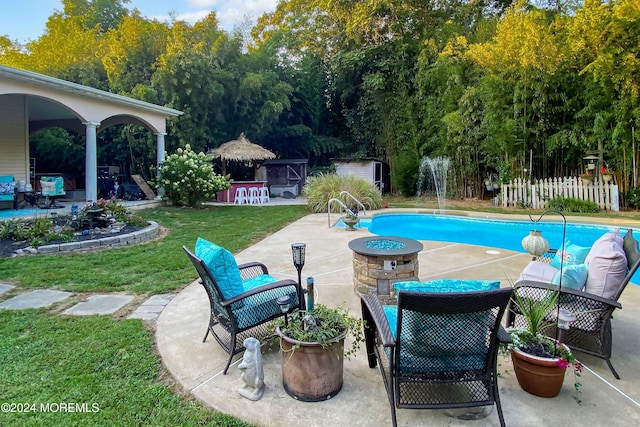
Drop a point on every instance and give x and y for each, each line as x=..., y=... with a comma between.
x=252, y=372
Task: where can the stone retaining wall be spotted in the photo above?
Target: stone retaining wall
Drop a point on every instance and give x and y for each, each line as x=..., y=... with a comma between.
x=129, y=239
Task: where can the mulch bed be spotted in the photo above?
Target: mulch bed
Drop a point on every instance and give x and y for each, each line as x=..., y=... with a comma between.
x=9, y=247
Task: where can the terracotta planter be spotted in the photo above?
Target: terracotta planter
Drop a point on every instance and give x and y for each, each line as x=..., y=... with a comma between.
x=607, y=177
x=311, y=373
x=539, y=376
x=587, y=181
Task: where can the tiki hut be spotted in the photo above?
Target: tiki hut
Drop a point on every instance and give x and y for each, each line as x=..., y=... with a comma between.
x=241, y=150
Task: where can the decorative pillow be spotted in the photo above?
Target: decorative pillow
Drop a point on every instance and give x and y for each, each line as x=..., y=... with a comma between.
x=7, y=187
x=447, y=285
x=537, y=271
x=223, y=267
x=573, y=276
x=607, y=265
x=573, y=254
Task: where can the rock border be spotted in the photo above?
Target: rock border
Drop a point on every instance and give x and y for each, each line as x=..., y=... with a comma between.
x=134, y=238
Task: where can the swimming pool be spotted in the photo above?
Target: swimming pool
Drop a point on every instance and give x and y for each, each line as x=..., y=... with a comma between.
x=480, y=231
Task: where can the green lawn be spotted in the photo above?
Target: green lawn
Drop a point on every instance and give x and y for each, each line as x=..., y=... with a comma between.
x=155, y=267
x=108, y=369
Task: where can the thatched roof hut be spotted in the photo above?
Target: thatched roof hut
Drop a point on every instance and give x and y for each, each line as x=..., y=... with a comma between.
x=241, y=150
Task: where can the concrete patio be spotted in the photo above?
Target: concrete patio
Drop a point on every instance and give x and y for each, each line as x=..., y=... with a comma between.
x=198, y=366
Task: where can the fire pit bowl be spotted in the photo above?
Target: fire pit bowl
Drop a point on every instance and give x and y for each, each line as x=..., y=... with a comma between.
x=380, y=261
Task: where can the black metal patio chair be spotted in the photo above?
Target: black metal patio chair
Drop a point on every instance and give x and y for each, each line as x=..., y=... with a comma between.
x=440, y=351
x=591, y=332
x=246, y=314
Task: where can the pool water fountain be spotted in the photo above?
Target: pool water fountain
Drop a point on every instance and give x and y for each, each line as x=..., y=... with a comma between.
x=439, y=168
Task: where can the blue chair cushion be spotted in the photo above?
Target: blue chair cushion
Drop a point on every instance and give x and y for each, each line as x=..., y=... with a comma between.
x=573, y=276
x=447, y=285
x=223, y=267
x=436, y=349
x=260, y=306
x=254, y=282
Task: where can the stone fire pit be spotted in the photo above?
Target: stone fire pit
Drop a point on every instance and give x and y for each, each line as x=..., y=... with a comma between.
x=380, y=261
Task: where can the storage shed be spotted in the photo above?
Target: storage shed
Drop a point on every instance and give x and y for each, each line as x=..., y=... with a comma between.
x=370, y=169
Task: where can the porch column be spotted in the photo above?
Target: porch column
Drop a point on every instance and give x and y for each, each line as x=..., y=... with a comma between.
x=91, y=162
x=160, y=160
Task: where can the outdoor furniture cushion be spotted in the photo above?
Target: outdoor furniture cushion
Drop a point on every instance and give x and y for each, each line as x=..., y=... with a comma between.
x=7, y=187
x=442, y=355
x=447, y=285
x=254, y=282
x=607, y=265
x=573, y=254
x=573, y=276
x=538, y=271
x=223, y=267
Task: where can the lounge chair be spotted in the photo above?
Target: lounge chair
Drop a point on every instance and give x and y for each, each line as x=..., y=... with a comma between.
x=437, y=350
x=243, y=298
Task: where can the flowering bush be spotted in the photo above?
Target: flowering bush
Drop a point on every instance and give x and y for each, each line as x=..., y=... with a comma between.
x=110, y=206
x=604, y=170
x=188, y=178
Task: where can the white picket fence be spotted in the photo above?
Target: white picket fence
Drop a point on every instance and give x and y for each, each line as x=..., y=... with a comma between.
x=521, y=192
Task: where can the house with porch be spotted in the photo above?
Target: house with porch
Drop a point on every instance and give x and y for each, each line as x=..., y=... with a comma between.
x=31, y=101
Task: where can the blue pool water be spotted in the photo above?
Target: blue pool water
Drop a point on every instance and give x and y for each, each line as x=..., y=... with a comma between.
x=9, y=213
x=484, y=232
x=479, y=231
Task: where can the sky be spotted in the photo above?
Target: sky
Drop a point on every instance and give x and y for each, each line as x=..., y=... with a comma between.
x=25, y=20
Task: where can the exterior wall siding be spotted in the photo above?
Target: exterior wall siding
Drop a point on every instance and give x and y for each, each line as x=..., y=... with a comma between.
x=362, y=170
x=13, y=134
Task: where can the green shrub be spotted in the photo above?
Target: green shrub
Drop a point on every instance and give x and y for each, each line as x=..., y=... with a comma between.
x=632, y=197
x=405, y=174
x=188, y=178
x=320, y=189
x=569, y=204
x=13, y=229
x=40, y=228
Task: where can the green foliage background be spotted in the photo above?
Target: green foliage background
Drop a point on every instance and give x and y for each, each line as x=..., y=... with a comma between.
x=491, y=84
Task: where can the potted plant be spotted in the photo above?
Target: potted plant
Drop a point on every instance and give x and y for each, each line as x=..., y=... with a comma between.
x=539, y=362
x=351, y=218
x=607, y=174
x=587, y=178
x=313, y=352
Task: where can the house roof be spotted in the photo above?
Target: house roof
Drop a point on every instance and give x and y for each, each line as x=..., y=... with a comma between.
x=286, y=162
x=74, y=88
x=241, y=149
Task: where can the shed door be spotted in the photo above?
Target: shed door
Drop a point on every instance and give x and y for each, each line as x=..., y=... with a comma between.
x=377, y=176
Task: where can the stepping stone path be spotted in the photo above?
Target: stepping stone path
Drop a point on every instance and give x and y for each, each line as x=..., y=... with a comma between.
x=35, y=299
x=99, y=304
x=5, y=288
x=105, y=304
x=151, y=308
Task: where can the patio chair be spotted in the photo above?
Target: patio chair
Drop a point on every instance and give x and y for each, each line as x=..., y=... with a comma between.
x=264, y=195
x=437, y=350
x=51, y=187
x=254, y=196
x=244, y=311
x=591, y=332
x=241, y=196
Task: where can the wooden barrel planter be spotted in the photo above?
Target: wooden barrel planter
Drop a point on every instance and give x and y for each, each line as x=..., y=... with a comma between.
x=310, y=372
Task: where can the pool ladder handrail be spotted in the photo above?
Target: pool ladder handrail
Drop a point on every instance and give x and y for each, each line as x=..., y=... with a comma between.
x=344, y=207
